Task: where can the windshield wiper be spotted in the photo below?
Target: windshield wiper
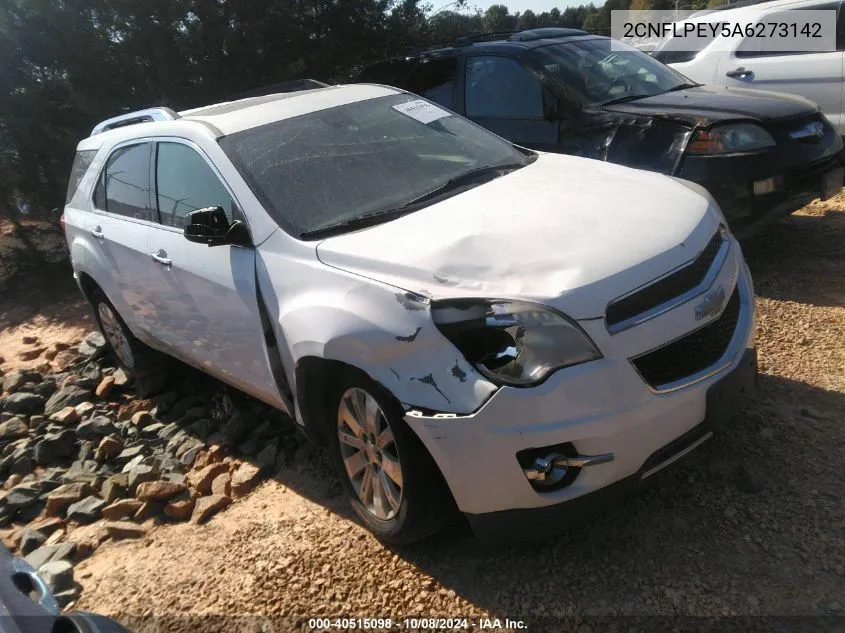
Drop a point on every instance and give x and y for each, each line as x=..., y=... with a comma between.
x=462, y=180
x=624, y=99
x=360, y=222
x=683, y=86
x=377, y=217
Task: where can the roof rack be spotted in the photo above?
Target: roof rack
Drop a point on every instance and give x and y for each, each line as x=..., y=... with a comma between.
x=131, y=118
x=545, y=33
x=473, y=38
x=294, y=85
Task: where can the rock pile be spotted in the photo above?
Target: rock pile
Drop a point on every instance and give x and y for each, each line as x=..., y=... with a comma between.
x=80, y=443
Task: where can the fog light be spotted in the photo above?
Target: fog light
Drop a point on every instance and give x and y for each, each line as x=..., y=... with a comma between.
x=767, y=185
x=547, y=471
x=555, y=467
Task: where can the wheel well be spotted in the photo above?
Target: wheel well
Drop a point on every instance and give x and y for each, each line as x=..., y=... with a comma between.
x=88, y=285
x=316, y=380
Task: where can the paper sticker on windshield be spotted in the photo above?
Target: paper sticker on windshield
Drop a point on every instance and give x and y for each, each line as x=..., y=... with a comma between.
x=422, y=111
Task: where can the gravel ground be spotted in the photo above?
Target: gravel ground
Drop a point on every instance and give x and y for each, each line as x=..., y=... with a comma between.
x=754, y=527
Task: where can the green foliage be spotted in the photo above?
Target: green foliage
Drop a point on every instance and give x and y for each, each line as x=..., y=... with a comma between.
x=67, y=64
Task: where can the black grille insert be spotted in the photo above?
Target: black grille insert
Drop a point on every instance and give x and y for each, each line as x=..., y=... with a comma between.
x=668, y=288
x=692, y=353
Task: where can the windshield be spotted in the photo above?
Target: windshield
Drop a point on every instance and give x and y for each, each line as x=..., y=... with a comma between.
x=355, y=160
x=596, y=75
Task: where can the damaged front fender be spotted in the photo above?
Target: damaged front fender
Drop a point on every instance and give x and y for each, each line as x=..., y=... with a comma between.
x=653, y=143
x=323, y=312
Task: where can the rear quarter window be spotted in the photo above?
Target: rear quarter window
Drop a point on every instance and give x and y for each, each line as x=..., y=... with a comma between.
x=81, y=162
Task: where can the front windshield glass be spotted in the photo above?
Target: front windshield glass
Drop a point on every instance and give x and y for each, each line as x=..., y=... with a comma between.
x=597, y=75
x=349, y=161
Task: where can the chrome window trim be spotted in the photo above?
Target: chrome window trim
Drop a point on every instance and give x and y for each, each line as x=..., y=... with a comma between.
x=673, y=303
x=154, y=140
x=100, y=173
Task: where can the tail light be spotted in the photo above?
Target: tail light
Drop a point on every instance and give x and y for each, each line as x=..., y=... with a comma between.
x=62, y=223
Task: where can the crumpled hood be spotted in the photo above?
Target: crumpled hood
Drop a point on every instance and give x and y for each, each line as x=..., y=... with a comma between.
x=570, y=232
x=705, y=105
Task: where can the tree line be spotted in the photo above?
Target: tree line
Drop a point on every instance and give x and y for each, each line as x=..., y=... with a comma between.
x=67, y=64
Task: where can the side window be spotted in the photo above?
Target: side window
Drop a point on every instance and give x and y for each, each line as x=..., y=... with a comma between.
x=501, y=87
x=185, y=182
x=435, y=80
x=752, y=46
x=126, y=183
x=81, y=163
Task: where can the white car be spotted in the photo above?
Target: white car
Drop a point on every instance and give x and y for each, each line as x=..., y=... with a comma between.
x=745, y=63
x=462, y=321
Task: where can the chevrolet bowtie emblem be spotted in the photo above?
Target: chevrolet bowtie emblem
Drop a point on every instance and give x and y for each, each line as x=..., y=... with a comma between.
x=711, y=305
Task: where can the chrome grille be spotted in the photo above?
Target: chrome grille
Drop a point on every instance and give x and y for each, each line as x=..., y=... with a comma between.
x=692, y=353
x=666, y=292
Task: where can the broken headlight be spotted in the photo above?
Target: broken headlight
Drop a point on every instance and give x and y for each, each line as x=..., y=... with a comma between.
x=730, y=138
x=513, y=342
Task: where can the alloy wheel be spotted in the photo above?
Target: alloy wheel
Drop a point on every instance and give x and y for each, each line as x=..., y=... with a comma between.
x=369, y=453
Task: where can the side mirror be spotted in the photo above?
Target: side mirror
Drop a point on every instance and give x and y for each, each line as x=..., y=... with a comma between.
x=211, y=227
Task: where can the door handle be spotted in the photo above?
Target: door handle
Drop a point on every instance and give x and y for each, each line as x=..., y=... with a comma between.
x=97, y=232
x=740, y=73
x=161, y=257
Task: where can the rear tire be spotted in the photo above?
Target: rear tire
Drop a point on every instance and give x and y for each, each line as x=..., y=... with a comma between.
x=134, y=357
x=391, y=481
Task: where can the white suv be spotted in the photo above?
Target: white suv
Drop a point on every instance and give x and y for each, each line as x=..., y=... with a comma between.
x=817, y=76
x=462, y=321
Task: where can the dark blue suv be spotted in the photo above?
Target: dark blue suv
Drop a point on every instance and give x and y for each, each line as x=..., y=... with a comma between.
x=761, y=155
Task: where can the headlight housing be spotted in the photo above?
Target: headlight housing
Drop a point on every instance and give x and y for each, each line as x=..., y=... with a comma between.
x=513, y=342
x=730, y=139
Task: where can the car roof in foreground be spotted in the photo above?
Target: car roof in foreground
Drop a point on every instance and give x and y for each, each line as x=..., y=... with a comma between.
x=235, y=116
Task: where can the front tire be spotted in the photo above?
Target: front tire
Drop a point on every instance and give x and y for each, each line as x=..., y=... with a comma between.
x=392, y=483
x=134, y=357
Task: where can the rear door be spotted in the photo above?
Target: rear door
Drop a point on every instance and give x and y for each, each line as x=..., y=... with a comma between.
x=118, y=226
x=499, y=93
x=814, y=75
x=207, y=306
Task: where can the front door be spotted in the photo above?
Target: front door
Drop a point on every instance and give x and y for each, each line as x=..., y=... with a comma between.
x=814, y=75
x=501, y=95
x=207, y=304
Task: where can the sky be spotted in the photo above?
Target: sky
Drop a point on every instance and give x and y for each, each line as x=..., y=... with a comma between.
x=537, y=6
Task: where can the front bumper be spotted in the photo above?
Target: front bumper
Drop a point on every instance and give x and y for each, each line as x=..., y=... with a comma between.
x=723, y=399
x=798, y=178
x=599, y=407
